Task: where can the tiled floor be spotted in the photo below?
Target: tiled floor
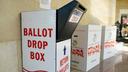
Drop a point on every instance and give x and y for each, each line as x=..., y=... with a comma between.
x=117, y=63
x=122, y=65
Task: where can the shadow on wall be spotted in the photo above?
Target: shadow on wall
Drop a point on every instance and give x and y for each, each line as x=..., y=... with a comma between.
x=95, y=20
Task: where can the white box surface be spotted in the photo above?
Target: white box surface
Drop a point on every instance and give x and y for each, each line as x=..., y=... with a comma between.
x=86, y=47
x=108, y=41
x=40, y=51
x=63, y=56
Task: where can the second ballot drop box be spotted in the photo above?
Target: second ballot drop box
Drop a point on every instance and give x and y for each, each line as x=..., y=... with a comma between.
x=86, y=42
x=46, y=39
x=108, y=41
x=108, y=48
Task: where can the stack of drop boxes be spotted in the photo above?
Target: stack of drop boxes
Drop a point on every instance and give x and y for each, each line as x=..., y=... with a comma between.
x=92, y=44
x=86, y=43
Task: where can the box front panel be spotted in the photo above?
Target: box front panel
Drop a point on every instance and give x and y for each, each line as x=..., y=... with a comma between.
x=78, y=61
x=109, y=42
x=93, y=49
x=63, y=56
x=38, y=41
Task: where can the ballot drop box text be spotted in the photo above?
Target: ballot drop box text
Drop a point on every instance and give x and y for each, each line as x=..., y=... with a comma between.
x=40, y=50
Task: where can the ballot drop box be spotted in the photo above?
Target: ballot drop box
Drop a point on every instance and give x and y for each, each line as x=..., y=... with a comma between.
x=108, y=48
x=46, y=38
x=108, y=42
x=41, y=52
x=86, y=42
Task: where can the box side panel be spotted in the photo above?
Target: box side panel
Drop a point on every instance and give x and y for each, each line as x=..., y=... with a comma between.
x=102, y=43
x=86, y=45
x=63, y=55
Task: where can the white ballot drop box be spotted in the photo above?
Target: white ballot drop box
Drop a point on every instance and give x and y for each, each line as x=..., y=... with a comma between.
x=86, y=47
x=108, y=42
